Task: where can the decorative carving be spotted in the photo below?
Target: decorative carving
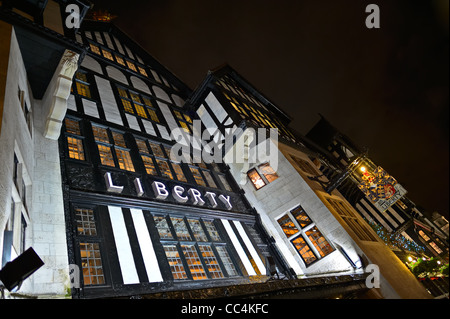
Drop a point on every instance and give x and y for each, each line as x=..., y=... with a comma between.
x=58, y=92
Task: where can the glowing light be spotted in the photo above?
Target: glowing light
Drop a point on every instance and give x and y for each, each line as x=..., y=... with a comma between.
x=410, y=258
x=363, y=169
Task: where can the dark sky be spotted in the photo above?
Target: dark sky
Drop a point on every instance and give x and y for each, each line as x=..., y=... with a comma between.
x=387, y=88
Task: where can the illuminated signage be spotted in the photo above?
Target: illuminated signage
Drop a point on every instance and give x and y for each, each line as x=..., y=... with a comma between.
x=380, y=187
x=179, y=193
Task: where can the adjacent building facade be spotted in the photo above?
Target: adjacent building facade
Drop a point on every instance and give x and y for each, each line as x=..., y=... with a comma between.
x=126, y=182
x=393, y=210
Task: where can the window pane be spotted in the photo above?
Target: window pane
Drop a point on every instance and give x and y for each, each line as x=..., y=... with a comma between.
x=127, y=106
x=209, y=179
x=198, y=178
x=147, y=101
x=164, y=169
x=197, y=229
x=105, y=155
x=156, y=148
x=304, y=250
x=81, y=76
x=131, y=66
x=288, y=226
x=94, y=48
x=72, y=126
x=75, y=147
x=226, y=260
x=122, y=92
x=135, y=97
x=83, y=89
x=212, y=231
x=268, y=172
x=210, y=261
x=100, y=134
x=153, y=115
x=107, y=55
x=163, y=227
x=178, y=115
x=120, y=60
x=91, y=264
x=142, y=71
x=184, y=127
x=180, y=228
x=256, y=179
x=176, y=265
x=301, y=217
x=149, y=166
x=321, y=244
x=124, y=159
x=179, y=172
x=85, y=222
x=194, y=263
x=118, y=139
x=142, y=146
x=140, y=110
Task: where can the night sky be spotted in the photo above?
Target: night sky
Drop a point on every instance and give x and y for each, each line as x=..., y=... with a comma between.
x=387, y=89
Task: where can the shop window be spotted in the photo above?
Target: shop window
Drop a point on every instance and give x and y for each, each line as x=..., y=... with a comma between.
x=89, y=246
x=85, y=222
x=91, y=264
x=210, y=261
x=194, y=263
x=196, y=250
x=175, y=262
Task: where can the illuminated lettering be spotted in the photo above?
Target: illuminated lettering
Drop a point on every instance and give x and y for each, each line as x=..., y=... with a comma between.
x=138, y=185
x=160, y=190
x=178, y=194
x=196, y=197
x=110, y=185
x=226, y=201
x=212, y=199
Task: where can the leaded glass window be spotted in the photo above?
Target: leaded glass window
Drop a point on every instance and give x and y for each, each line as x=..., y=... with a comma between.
x=175, y=262
x=194, y=263
x=180, y=228
x=85, y=222
x=211, y=261
x=74, y=139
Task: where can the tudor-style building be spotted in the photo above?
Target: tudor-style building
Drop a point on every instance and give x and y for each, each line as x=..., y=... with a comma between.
x=112, y=175
x=399, y=214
